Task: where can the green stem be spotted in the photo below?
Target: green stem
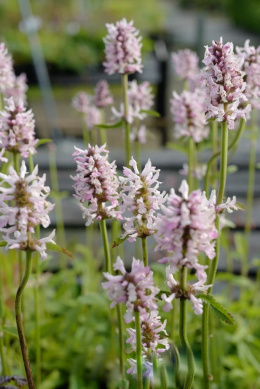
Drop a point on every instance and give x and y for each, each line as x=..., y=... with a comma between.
x=214, y=263
x=214, y=134
x=102, y=131
x=250, y=191
x=36, y=301
x=177, y=367
x=232, y=145
x=190, y=163
x=2, y=320
x=58, y=204
x=19, y=322
x=163, y=376
x=145, y=251
x=183, y=331
x=223, y=163
x=138, y=350
x=138, y=154
x=126, y=124
x=103, y=229
x=85, y=132
x=121, y=340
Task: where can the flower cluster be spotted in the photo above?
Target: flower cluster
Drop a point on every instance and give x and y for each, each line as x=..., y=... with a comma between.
x=140, y=97
x=135, y=288
x=224, y=83
x=188, y=110
x=92, y=117
x=17, y=129
x=96, y=184
x=185, y=63
x=6, y=69
x=189, y=293
x=186, y=228
x=139, y=134
x=154, y=341
x=23, y=206
x=102, y=97
x=18, y=89
x=81, y=102
x=123, y=48
x=141, y=197
x=199, y=171
x=251, y=57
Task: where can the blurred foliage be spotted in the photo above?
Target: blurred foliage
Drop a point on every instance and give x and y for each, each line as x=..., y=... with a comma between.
x=72, y=31
x=245, y=14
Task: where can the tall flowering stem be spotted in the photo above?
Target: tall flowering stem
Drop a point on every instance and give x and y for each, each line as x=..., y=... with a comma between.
x=250, y=191
x=232, y=146
x=183, y=331
x=138, y=350
x=19, y=321
x=145, y=251
x=103, y=229
x=126, y=123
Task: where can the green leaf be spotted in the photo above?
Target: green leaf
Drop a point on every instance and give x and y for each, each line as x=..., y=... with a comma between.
x=150, y=112
x=11, y=331
x=107, y=126
x=59, y=195
x=177, y=147
x=219, y=310
x=240, y=206
x=232, y=169
x=2, y=243
x=59, y=249
x=42, y=142
x=204, y=145
x=118, y=241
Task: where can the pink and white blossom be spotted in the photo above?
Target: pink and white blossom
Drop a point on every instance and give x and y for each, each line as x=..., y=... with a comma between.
x=103, y=96
x=18, y=89
x=96, y=184
x=190, y=291
x=224, y=83
x=251, y=66
x=135, y=288
x=23, y=206
x=6, y=70
x=141, y=197
x=92, y=117
x=81, y=102
x=185, y=63
x=186, y=227
x=188, y=111
x=199, y=171
x=122, y=48
x=17, y=129
x=139, y=134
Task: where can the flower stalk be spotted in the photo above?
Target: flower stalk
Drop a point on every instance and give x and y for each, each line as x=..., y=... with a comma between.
x=19, y=321
x=126, y=124
x=138, y=350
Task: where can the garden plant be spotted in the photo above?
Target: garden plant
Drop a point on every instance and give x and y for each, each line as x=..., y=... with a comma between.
x=102, y=318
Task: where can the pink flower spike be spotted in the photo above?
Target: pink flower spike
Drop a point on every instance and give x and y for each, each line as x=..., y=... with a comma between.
x=122, y=48
x=23, y=206
x=103, y=97
x=7, y=76
x=141, y=197
x=96, y=184
x=17, y=129
x=185, y=63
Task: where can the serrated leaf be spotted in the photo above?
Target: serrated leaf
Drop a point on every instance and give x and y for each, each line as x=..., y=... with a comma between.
x=42, y=142
x=107, y=126
x=3, y=243
x=220, y=311
x=11, y=331
x=150, y=112
x=59, y=249
x=240, y=206
x=177, y=147
x=118, y=241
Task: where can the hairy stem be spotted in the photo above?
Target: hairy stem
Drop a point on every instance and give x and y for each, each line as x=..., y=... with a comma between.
x=138, y=350
x=103, y=228
x=19, y=322
x=145, y=251
x=183, y=332
x=126, y=124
